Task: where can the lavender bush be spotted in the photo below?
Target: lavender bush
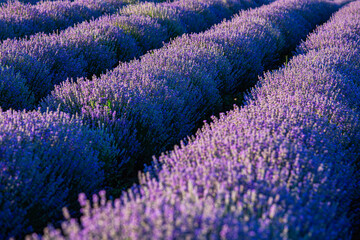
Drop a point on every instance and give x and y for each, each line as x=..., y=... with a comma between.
x=187, y=15
x=122, y=36
x=18, y=97
x=47, y=159
x=165, y=14
x=165, y=95
x=18, y=19
x=280, y=167
x=27, y=1
x=263, y=35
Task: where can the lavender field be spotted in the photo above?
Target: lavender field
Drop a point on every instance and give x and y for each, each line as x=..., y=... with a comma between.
x=180, y=119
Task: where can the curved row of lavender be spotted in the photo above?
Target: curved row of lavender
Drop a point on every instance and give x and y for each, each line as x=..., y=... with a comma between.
x=30, y=1
x=19, y=19
x=88, y=48
x=280, y=167
x=161, y=98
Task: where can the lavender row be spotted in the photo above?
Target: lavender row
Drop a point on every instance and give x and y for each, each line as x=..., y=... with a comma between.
x=18, y=19
x=46, y=160
x=280, y=167
x=45, y=60
x=164, y=95
x=27, y=1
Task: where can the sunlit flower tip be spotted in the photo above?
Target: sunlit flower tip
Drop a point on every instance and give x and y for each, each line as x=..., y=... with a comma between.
x=66, y=213
x=272, y=211
x=82, y=199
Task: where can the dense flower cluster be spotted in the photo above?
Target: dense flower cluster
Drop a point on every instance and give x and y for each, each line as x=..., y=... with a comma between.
x=166, y=93
x=280, y=167
x=91, y=47
x=47, y=159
